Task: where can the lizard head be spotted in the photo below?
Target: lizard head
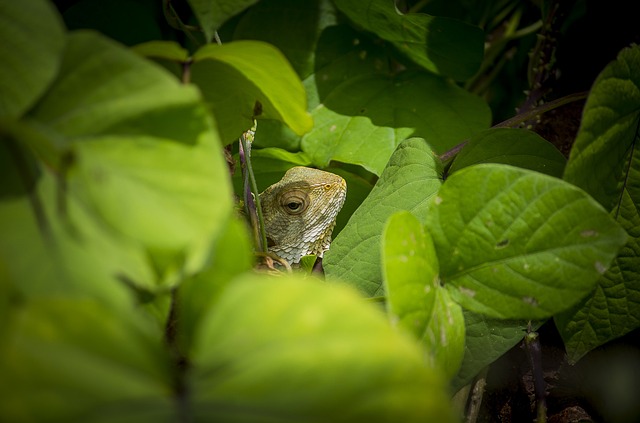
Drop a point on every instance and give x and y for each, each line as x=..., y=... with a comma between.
x=300, y=212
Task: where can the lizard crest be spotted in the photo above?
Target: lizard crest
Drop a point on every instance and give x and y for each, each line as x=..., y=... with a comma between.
x=300, y=212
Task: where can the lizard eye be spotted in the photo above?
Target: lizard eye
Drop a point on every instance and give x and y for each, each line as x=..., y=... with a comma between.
x=294, y=202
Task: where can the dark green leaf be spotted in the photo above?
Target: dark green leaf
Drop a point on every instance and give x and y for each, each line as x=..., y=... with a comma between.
x=515, y=147
x=213, y=13
x=485, y=340
x=234, y=76
x=273, y=349
x=605, y=161
x=445, y=46
x=363, y=119
x=303, y=20
x=32, y=40
x=513, y=243
x=411, y=178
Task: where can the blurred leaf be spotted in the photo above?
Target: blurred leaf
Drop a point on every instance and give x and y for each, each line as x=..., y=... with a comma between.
x=143, y=151
x=442, y=45
x=515, y=147
x=234, y=76
x=605, y=160
x=168, y=50
x=231, y=255
x=363, y=119
x=32, y=40
x=273, y=348
x=213, y=13
x=513, y=243
x=303, y=20
x=101, y=85
x=79, y=360
x=45, y=253
x=415, y=300
x=410, y=179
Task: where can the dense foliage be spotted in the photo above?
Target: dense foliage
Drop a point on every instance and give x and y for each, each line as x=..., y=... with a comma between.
x=127, y=288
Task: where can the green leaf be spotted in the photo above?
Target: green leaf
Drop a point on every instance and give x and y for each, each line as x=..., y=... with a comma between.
x=599, y=158
x=363, y=119
x=234, y=76
x=79, y=360
x=304, y=22
x=102, y=85
x=145, y=173
x=442, y=45
x=32, y=40
x=605, y=161
x=231, y=255
x=213, y=13
x=515, y=147
x=485, y=341
x=273, y=348
x=411, y=178
x=415, y=300
x=513, y=243
x=76, y=256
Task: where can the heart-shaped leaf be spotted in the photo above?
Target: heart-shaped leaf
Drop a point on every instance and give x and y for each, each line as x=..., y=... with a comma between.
x=513, y=243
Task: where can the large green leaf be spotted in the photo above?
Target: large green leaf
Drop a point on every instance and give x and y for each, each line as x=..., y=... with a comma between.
x=79, y=360
x=605, y=161
x=282, y=349
x=363, y=119
x=32, y=40
x=144, y=151
x=411, y=178
x=415, y=300
x=101, y=85
x=515, y=147
x=75, y=254
x=234, y=76
x=513, y=243
x=446, y=46
x=213, y=13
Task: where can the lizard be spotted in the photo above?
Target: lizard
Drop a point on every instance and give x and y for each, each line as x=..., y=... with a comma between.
x=300, y=212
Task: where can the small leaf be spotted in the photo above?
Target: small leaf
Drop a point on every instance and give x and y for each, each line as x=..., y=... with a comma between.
x=515, y=147
x=415, y=300
x=410, y=179
x=236, y=75
x=362, y=120
x=442, y=45
x=273, y=348
x=168, y=50
x=513, y=243
x=32, y=37
x=213, y=13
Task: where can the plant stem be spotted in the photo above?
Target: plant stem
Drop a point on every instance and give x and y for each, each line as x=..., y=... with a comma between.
x=251, y=194
x=534, y=352
x=521, y=118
